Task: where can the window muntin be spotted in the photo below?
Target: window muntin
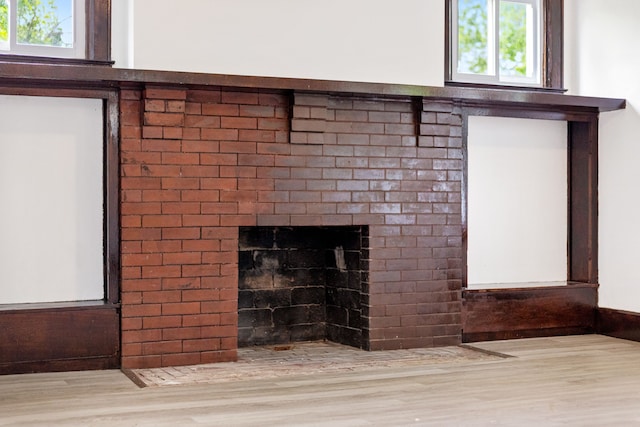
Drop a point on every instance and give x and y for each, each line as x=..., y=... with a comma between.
x=496, y=41
x=53, y=28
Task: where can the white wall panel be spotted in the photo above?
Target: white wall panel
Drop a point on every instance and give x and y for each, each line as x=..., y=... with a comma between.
x=357, y=40
x=51, y=215
x=517, y=201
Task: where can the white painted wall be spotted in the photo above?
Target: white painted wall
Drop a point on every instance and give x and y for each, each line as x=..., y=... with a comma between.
x=403, y=42
x=52, y=199
x=385, y=41
x=517, y=195
x=604, y=60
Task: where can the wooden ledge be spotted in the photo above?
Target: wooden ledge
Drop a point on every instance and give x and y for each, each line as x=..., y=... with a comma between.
x=68, y=75
x=48, y=306
x=529, y=286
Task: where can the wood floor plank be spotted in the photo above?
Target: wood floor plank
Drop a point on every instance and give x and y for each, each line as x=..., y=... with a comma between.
x=562, y=381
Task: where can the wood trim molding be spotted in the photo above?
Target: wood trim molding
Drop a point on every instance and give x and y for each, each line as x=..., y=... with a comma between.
x=58, y=75
x=618, y=324
x=112, y=197
x=40, y=339
x=553, y=54
x=582, y=239
x=494, y=314
x=98, y=30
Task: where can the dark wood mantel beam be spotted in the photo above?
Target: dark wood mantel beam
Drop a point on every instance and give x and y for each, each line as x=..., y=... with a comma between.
x=34, y=74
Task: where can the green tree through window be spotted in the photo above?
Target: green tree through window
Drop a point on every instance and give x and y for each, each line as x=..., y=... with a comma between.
x=472, y=36
x=4, y=21
x=513, y=38
x=39, y=22
x=497, y=38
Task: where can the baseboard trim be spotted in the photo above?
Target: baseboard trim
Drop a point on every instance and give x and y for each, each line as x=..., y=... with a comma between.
x=80, y=364
x=59, y=338
x=524, y=333
x=618, y=324
x=497, y=314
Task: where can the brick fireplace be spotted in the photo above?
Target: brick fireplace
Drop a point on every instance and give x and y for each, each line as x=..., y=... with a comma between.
x=302, y=284
x=208, y=174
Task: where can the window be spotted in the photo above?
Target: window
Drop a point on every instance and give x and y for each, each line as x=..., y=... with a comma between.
x=520, y=41
x=497, y=41
x=35, y=30
x=42, y=27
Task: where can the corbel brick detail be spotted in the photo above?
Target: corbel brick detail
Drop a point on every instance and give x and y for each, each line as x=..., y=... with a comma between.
x=164, y=111
x=309, y=116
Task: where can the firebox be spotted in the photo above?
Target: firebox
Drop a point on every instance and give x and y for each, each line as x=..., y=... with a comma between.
x=302, y=284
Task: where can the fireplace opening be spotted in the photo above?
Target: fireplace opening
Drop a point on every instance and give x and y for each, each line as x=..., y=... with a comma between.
x=302, y=284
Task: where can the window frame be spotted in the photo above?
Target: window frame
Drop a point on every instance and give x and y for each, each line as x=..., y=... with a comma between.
x=551, y=50
x=77, y=50
x=96, y=41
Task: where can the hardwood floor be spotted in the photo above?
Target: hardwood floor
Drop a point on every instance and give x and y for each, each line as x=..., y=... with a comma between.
x=577, y=380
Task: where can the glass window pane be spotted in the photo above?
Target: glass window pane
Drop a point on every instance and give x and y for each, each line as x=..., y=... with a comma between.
x=516, y=38
x=473, y=37
x=4, y=22
x=45, y=22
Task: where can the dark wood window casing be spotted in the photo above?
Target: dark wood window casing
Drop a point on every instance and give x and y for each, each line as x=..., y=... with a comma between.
x=552, y=48
x=97, y=39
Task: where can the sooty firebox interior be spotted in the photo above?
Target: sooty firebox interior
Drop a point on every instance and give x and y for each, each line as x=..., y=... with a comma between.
x=302, y=284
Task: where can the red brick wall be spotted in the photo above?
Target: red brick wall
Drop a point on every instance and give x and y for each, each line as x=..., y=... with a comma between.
x=196, y=164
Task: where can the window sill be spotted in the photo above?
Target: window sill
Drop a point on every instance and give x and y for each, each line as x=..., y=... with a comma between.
x=47, y=60
x=526, y=286
x=450, y=83
x=70, y=305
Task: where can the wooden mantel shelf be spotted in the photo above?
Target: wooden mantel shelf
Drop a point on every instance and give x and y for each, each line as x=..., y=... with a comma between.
x=92, y=76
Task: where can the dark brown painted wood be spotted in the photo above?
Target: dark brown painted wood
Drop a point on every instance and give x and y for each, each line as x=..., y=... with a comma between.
x=528, y=312
x=112, y=197
x=553, y=54
x=464, y=189
x=81, y=337
x=52, y=75
x=618, y=324
x=448, y=22
x=24, y=59
x=583, y=201
x=549, y=112
x=98, y=37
